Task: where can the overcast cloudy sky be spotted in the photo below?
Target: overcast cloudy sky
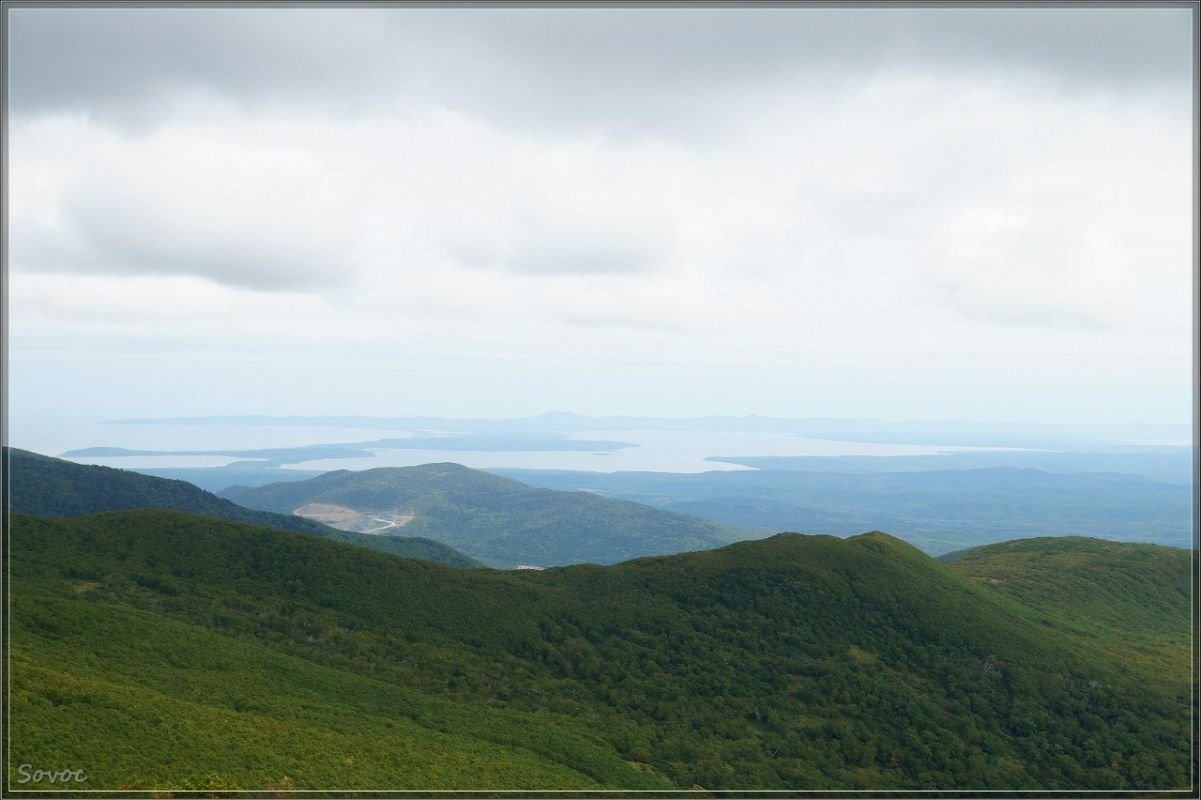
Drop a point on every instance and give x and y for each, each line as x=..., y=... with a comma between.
x=923, y=213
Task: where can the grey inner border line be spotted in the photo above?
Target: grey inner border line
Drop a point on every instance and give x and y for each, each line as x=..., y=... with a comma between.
x=6, y=5
x=4, y=386
x=626, y=4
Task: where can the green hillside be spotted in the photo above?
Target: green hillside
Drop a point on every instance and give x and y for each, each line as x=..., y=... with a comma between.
x=498, y=520
x=48, y=486
x=1127, y=598
x=179, y=706
x=791, y=662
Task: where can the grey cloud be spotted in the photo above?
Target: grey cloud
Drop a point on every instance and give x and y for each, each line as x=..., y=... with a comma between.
x=129, y=63
x=579, y=258
x=620, y=69
x=119, y=248
x=106, y=237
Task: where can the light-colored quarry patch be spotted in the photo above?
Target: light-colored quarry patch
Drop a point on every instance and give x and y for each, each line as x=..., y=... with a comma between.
x=329, y=514
x=348, y=519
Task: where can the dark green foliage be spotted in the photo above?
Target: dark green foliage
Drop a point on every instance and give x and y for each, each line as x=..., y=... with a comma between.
x=796, y=661
x=403, y=546
x=498, y=520
x=140, y=701
x=39, y=484
x=53, y=487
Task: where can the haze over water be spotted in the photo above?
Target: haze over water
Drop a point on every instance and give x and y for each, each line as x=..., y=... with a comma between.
x=648, y=450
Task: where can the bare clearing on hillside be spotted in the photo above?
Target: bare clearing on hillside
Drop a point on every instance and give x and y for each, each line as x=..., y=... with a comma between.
x=348, y=519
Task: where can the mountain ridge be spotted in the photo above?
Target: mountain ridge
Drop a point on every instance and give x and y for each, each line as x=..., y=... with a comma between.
x=499, y=520
x=44, y=485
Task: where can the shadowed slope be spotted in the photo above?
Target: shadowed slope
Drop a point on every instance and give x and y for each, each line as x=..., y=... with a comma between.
x=53, y=487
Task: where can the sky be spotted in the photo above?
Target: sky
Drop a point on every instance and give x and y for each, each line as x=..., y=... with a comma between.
x=891, y=213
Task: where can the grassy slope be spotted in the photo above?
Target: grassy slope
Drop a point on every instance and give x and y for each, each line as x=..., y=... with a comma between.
x=790, y=662
x=1124, y=598
x=51, y=486
x=498, y=520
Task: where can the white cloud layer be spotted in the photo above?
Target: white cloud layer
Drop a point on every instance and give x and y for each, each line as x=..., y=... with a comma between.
x=498, y=194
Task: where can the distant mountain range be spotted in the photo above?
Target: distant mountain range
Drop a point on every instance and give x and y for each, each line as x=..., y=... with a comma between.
x=937, y=510
x=1168, y=464
x=947, y=432
x=43, y=485
x=500, y=521
x=167, y=651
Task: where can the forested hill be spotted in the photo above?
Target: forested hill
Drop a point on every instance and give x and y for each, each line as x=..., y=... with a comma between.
x=1139, y=587
x=48, y=486
x=1125, y=597
x=498, y=520
x=791, y=662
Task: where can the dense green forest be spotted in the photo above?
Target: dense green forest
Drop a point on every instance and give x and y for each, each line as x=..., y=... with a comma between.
x=168, y=650
x=500, y=521
x=48, y=486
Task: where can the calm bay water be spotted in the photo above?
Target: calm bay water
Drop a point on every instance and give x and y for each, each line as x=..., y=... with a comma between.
x=654, y=451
